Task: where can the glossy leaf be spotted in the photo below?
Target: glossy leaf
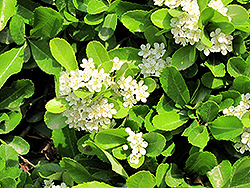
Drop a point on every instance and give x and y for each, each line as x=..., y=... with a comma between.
x=156, y=143
x=174, y=85
x=161, y=18
x=108, y=27
x=93, y=19
x=201, y=162
x=111, y=138
x=55, y=121
x=217, y=68
x=18, y=143
x=43, y=57
x=96, y=7
x=169, y=121
x=11, y=63
x=10, y=156
x=47, y=22
x=184, y=57
x=17, y=29
x=220, y=174
x=63, y=53
x=141, y=179
x=226, y=127
x=65, y=141
x=10, y=123
x=150, y=34
x=57, y=105
x=136, y=20
x=208, y=111
x=199, y=136
x=7, y=9
x=160, y=174
x=77, y=172
x=173, y=176
x=237, y=13
x=94, y=184
x=13, y=96
x=97, y=51
x=236, y=66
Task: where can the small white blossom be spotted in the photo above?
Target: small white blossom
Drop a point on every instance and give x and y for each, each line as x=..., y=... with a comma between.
x=116, y=64
x=48, y=183
x=219, y=6
x=137, y=144
x=145, y=50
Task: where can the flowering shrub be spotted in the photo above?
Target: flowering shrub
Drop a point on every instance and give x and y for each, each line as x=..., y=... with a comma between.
x=116, y=93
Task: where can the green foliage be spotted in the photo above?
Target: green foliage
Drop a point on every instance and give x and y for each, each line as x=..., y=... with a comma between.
x=174, y=116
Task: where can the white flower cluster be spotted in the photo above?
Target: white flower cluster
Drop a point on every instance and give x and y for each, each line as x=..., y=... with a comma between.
x=88, y=115
x=91, y=78
x=241, y=109
x=137, y=144
x=219, y=6
x=244, y=145
x=92, y=113
x=131, y=91
x=50, y=184
x=220, y=43
x=185, y=27
x=152, y=62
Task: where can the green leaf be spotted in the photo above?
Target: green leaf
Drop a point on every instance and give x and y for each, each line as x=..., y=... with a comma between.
x=8, y=182
x=141, y=179
x=77, y=172
x=156, y=143
x=96, y=7
x=237, y=13
x=245, y=119
x=108, y=27
x=111, y=138
x=240, y=173
x=174, y=85
x=220, y=174
x=241, y=84
x=226, y=27
x=108, y=158
x=25, y=8
x=63, y=53
x=184, y=57
x=56, y=105
x=208, y=111
x=136, y=20
x=7, y=9
x=9, y=155
x=217, y=68
x=165, y=104
x=47, y=22
x=10, y=172
x=175, y=12
x=202, y=4
x=120, y=153
x=205, y=16
x=55, y=121
x=160, y=174
x=93, y=19
x=97, y=51
x=236, y=66
x=18, y=143
x=43, y=57
x=210, y=81
x=83, y=147
x=205, y=38
x=65, y=141
x=169, y=121
x=226, y=127
x=138, y=113
x=201, y=162
x=173, y=176
x=94, y=184
x=198, y=136
x=161, y=18
x=13, y=96
x=81, y=5
x=50, y=170
x=140, y=163
x=82, y=93
x=169, y=149
x=150, y=35
x=11, y=63
x=17, y=29
x=14, y=118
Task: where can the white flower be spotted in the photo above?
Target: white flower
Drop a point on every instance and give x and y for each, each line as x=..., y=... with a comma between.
x=64, y=81
x=87, y=64
x=116, y=64
x=159, y=50
x=145, y=50
x=63, y=185
x=137, y=144
x=48, y=183
x=219, y=6
x=141, y=92
x=158, y=2
x=172, y=3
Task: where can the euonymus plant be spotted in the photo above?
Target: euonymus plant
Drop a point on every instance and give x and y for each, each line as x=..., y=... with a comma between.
x=122, y=93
